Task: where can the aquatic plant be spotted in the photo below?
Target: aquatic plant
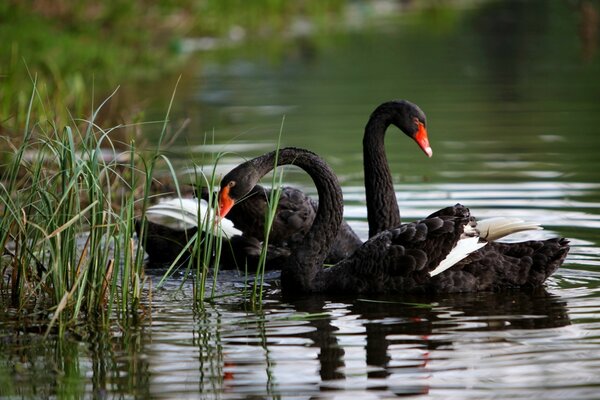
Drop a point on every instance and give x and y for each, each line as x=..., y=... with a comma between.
x=69, y=199
x=200, y=257
x=272, y=203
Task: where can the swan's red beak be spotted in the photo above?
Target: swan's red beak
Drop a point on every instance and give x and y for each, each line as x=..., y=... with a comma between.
x=225, y=202
x=422, y=140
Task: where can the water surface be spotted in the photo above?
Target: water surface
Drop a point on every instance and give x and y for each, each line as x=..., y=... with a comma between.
x=511, y=93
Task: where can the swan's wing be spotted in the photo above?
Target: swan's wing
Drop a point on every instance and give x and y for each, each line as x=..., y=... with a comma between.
x=463, y=248
x=184, y=214
x=401, y=258
x=294, y=216
x=226, y=227
x=442, y=239
x=496, y=228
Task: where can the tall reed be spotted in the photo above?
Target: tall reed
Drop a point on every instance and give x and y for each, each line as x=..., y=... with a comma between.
x=202, y=251
x=208, y=250
x=272, y=203
x=68, y=200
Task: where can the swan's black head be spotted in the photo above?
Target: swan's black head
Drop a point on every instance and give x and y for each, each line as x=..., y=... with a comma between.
x=236, y=184
x=409, y=118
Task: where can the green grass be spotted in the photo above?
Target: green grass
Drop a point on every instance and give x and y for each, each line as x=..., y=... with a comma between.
x=205, y=246
x=273, y=203
x=69, y=199
x=72, y=45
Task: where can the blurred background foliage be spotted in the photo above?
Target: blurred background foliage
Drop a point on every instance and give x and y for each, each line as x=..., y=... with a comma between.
x=79, y=51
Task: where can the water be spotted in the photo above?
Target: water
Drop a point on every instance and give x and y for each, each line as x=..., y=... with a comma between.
x=511, y=91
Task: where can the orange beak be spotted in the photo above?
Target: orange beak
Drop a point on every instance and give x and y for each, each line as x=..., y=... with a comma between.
x=422, y=140
x=225, y=202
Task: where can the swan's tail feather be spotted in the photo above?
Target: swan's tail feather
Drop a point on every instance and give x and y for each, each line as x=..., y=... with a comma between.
x=496, y=228
x=547, y=259
x=463, y=248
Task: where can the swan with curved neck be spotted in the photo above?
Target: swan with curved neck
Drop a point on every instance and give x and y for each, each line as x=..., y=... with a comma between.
x=412, y=257
x=308, y=256
x=382, y=207
x=296, y=210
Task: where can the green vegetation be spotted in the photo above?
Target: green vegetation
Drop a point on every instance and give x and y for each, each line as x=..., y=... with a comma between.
x=69, y=208
x=68, y=213
x=69, y=46
x=272, y=202
x=204, y=247
x=70, y=188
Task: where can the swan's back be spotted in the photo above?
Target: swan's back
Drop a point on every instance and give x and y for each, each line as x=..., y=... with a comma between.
x=405, y=259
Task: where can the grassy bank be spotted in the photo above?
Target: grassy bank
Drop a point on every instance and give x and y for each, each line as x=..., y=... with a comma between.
x=72, y=179
x=67, y=227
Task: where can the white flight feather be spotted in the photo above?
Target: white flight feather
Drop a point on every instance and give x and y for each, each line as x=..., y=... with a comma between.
x=496, y=228
x=183, y=213
x=463, y=248
x=489, y=229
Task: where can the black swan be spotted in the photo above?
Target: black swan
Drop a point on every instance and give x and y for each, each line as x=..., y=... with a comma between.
x=413, y=257
x=295, y=214
x=382, y=207
x=244, y=229
x=296, y=211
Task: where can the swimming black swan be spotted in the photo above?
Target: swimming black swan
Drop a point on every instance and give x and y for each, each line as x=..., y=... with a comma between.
x=413, y=257
x=295, y=214
x=244, y=231
x=382, y=207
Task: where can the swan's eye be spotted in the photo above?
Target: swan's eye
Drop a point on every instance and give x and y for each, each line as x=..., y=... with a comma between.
x=416, y=121
x=231, y=184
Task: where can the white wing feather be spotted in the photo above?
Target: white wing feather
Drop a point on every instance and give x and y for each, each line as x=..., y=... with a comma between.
x=463, y=248
x=489, y=229
x=183, y=213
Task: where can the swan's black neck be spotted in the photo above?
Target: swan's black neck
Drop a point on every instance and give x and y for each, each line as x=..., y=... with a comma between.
x=382, y=208
x=307, y=258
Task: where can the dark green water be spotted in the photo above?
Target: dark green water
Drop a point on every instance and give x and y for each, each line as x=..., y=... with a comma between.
x=512, y=95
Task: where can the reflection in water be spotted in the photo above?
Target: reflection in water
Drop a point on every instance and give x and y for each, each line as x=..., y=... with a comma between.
x=117, y=362
x=399, y=337
x=44, y=368
x=330, y=352
x=393, y=345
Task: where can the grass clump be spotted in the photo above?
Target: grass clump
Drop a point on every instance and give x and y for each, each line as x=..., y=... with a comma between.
x=69, y=200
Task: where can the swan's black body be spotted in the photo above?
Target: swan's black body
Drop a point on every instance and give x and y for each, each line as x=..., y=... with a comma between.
x=164, y=245
x=295, y=214
x=395, y=260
